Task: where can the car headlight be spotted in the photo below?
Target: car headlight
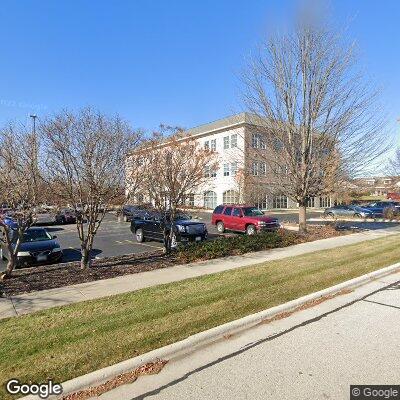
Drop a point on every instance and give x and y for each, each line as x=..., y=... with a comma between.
x=180, y=228
x=56, y=250
x=23, y=254
x=261, y=222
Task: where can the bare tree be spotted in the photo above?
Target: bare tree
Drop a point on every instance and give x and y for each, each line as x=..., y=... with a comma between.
x=171, y=167
x=317, y=122
x=394, y=164
x=22, y=188
x=85, y=158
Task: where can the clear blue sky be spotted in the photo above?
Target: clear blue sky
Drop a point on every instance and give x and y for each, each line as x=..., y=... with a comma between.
x=174, y=62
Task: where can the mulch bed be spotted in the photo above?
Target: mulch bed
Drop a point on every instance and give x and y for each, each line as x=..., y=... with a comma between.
x=53, y=276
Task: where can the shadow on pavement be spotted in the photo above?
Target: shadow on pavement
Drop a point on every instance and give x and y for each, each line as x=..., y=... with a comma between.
x=75, y=254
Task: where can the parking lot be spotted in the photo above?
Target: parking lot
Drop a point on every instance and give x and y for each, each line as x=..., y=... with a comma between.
x=115, y=238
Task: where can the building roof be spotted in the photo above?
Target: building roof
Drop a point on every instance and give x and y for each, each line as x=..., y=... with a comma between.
x=229, y=122
x=219, y=125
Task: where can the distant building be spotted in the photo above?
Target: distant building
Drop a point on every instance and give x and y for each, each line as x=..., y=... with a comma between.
x=379, y=185
x=234, y=138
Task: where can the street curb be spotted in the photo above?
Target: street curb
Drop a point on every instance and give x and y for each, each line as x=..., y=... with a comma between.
x=193, y=342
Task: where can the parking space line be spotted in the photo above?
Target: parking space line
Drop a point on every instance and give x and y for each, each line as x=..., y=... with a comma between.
x=149, y=245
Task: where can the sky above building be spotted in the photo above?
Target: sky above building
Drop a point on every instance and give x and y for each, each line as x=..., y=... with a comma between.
x=173, y=62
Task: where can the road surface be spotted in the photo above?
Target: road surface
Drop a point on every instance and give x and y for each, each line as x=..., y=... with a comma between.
x=314, y=354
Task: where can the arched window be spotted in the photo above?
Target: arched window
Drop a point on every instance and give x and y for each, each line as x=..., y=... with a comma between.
x=230, y=197
x=210, y=199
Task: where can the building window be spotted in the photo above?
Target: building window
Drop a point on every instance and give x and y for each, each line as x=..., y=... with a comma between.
x=208, y=173
x=190, y=200
x=207, y=145
x=226, y=169
x=234, y=140
x=210, y=199
x=325, y=202
x=213, y=144
x=278, y=145
x=257, y=141
x=254, y=168
x=261, y=202
x=230, y=197
x=280, y=201
x=234, y=168
x=226, y=142
x=311, y=202
x=262, y=168
x=281, y=170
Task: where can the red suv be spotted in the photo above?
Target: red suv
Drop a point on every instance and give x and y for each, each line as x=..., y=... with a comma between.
x=241, y=218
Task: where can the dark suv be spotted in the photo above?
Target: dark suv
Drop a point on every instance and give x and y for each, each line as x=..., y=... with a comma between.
x=150, y=226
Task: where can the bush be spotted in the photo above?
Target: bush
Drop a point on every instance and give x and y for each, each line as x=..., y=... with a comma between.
x=228, y=246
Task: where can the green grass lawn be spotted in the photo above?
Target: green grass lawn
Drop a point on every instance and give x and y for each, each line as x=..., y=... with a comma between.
x=65, y=342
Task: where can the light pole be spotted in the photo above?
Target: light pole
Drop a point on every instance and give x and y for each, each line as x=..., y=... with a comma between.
x=34, y=116
x=35, y=156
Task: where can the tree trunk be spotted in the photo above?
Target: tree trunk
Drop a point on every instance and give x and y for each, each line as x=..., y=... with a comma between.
x=86, y=260
x=302, y=217
x=167, y=242
x=11, y=263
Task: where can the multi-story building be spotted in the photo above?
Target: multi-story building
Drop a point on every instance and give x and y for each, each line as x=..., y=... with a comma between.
x=240, y=177
x=379, y=185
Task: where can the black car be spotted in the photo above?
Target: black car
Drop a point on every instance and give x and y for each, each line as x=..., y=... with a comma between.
x=66, y=216
x=130, y=212
x=37, y=247
x=185, y=229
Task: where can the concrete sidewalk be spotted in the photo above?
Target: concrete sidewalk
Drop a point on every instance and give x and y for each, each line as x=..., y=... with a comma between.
x=35, y=301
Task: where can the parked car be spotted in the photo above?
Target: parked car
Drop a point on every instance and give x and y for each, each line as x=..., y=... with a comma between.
x=379, y=207
x=185, y=229
x=65, y=216
x=342, y=210
x=37, y=247
x=130, y=212
x=242, y=218
x=44, y=217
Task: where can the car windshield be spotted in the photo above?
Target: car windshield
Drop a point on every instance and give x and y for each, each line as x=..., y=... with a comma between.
x=252, y=211
x=36, y=235
x=181, y=217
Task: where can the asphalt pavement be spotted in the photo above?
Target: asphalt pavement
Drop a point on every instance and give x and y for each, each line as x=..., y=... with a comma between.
x=115, y=238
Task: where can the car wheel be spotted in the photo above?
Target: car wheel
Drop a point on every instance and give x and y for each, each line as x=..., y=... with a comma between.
x=139, y=235
x=220, y=227
x=251, y=230
x=330, y=215
x=2, y=255
x=357, y=215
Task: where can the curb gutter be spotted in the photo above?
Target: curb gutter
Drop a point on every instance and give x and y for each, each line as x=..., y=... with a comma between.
x=193, y=342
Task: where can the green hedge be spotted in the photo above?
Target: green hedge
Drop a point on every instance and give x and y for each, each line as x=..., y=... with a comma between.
x=240, y=244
